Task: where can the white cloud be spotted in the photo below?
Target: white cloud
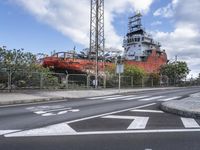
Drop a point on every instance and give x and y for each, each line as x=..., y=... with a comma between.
x=184, y=41
x=71, y=18
x=156, y=23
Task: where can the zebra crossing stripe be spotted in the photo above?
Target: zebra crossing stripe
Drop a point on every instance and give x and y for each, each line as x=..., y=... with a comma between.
x=169, y=99
x=152, y=98
x=101, y=97
x=119, y=97
x=147, y=111
x=189, y=123
x=132, y=98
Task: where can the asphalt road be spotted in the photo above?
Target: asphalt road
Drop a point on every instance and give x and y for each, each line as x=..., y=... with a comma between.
x=130, y=121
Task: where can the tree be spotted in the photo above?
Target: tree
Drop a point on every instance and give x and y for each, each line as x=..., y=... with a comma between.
x=24, y=69
x=175, y=71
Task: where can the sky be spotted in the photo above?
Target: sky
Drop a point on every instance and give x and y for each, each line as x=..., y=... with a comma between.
x=44, y=26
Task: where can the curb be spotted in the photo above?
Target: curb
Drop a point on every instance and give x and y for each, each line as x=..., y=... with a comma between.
x=180, y=112
x=32, y=101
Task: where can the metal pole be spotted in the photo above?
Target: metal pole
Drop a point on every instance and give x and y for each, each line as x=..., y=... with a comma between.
x=97, y=42
x=119, y=81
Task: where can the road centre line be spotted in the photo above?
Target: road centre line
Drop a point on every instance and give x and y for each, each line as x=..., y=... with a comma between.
x=104, y=97
x=105, y=114
x=189, y=123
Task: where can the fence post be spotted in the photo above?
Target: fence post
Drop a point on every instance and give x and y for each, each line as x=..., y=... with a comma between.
x=41, y=80
x=67, y=81
x=10, y=81
x=142, y=82
x=104, y=82
x=88, y=81
x=131, y=81
x=152, y=82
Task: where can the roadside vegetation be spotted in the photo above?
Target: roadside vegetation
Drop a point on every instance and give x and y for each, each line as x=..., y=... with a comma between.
x=21, y=69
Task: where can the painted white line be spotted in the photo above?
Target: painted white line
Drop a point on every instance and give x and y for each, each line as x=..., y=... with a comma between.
x=139, y=123
x=152, y=98
x=119, y=117
x=101, y=97
x=54, y=130
x=132, y=98
x=106, y=114
x=120, y=97
x=169, y=99
x=189, y=123
x=147, y=111
x=2, y=132
x=61, y=133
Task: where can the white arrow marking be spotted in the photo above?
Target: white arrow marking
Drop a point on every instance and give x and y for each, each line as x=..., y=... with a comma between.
x=190, y=123
x=138, y=123
x=59, y=129
x=2, y=132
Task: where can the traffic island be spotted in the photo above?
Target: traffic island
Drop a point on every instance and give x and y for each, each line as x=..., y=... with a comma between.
x=187, y=107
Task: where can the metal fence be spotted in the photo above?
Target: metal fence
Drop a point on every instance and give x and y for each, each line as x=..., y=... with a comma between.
x=15, y=80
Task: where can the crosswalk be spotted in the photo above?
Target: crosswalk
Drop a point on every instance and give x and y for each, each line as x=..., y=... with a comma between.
x=135, y=97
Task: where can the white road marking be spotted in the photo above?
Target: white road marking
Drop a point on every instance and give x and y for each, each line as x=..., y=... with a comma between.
x=132, y=98
x=53, y=130
x=152, y=98
x=101, y=97
x=120, y=97
x=189, y=123
x=169, y=99
x=2, y=132
x=31, y=133
x=137, y=123
x=60, y=109
x=147, y=111
x=106, y=114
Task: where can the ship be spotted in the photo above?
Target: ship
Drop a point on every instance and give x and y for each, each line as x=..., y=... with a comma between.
x=140, y=50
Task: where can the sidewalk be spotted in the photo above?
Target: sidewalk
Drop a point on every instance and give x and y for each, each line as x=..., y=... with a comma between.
x=188, y=107
x=40, y=96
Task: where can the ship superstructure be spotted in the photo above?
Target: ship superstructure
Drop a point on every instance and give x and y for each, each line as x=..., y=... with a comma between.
x=138, y=43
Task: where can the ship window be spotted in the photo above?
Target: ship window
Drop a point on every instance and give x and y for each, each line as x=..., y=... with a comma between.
x=139, y=45
x=138, y=39
x=142, y=38
x=136, y=57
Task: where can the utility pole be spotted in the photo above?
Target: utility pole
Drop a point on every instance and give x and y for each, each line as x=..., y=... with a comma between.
x=96, y=34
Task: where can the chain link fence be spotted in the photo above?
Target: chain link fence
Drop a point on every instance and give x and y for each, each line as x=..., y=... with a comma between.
x=19, y=80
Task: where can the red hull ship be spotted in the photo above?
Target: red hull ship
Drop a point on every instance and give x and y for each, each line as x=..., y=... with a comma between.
x=140, y=50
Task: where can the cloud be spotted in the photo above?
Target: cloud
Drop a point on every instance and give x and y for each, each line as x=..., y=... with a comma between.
x=156, y=23
x=184, y=41
x=71, y=18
